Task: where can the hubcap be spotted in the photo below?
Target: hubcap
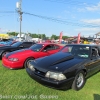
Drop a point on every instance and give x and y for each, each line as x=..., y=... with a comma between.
x=29, y=62
x=80, y=80
x=4, y=53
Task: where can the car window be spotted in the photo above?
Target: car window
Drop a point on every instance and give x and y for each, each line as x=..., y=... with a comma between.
x=56, y=47
x=37, y=47
x=95, y=52
x=67, y=49
x=79, y=51
x=49, y=47
x=26, y=44
x=9, y=43
x=16, y=44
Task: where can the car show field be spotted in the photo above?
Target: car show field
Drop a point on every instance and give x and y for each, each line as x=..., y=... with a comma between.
x=17, y=85
x=49, y=50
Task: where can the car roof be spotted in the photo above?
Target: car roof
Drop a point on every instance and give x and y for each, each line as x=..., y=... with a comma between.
x=25, y=41
x=84, y=45
x=47, y=43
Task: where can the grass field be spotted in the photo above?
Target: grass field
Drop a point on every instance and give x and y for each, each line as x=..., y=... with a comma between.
x=17, y=85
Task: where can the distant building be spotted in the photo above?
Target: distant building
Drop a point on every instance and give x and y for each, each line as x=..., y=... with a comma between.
x=36, y=39
x=24, y=37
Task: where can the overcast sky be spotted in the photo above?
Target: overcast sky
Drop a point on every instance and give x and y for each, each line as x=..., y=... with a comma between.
x=52, y=16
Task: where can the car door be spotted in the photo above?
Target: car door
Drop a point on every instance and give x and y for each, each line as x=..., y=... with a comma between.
x=48, y=50
x=52, y=48
x=44, y=51
x=94, y=64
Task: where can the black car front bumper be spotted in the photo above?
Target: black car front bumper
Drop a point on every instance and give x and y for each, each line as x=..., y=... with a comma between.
x=62, y=85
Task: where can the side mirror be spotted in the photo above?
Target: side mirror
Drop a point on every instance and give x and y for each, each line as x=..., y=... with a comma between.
x=44, y=50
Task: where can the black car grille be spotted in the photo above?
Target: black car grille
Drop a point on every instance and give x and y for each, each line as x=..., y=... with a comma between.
x=39, y=73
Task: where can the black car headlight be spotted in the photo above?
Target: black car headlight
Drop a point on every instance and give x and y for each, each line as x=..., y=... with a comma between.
x=56, y=76
x=30, y=66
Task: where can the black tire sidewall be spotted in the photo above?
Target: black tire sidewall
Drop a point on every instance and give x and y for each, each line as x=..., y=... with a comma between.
x=74, y=85
x=3, y=53
x=25, y=63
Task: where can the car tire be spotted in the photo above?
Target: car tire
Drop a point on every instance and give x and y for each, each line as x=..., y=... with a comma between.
x=27, y=61
x=79, y=81
x=4, y=53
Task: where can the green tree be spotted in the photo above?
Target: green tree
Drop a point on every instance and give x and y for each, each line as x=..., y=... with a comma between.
x=54, y=37
x=65, y=37
x=12, y=33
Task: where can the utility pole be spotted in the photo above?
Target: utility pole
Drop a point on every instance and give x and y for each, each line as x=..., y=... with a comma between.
x=19, y=10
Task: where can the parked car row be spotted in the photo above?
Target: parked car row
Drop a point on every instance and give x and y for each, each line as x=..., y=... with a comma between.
x=5, y=42
x=14, y=47
x=53, y=65
x=24, y=52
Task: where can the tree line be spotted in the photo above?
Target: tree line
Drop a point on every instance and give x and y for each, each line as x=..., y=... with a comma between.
x=41, y=36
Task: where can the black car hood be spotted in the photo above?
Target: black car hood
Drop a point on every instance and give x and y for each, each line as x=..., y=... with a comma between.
x=55, y=58
x=57, y=61
x=4, y=47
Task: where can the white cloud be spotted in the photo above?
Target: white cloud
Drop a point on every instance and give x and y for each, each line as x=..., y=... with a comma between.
x=93, y=8
x=88, y=31
x=90, y=8
x=91, y=21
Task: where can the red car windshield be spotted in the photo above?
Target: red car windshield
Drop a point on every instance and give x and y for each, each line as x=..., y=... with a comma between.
x=36, y=47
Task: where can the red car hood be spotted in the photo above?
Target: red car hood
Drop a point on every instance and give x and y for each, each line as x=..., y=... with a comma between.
x=17, y=53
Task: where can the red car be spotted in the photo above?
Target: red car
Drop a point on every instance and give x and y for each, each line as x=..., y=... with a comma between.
x=20, y=58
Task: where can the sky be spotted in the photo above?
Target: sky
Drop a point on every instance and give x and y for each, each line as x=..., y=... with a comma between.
x=51, y=17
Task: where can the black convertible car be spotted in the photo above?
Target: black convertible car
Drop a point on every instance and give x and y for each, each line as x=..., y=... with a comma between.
x=68, y=68
x=13, y=47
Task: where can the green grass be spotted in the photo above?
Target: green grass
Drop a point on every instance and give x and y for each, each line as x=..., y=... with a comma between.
x=17, y=85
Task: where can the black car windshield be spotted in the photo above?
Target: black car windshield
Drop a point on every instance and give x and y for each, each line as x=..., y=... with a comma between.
x=16, y=44
x=36, y=47
x=77, y=50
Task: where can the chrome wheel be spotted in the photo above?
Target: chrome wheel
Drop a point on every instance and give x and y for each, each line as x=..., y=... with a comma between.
x=80, y=80
x=27, y=62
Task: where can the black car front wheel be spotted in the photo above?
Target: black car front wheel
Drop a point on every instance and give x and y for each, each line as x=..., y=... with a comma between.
x=79, y=81
x=4, y=53
x=27, y=62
